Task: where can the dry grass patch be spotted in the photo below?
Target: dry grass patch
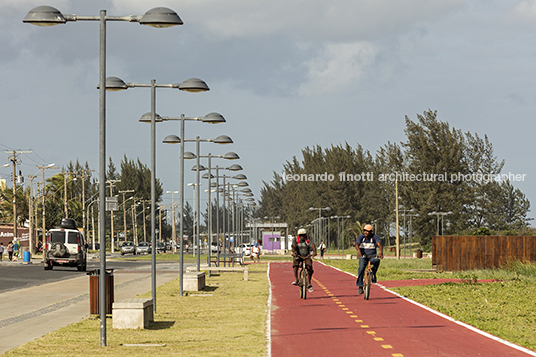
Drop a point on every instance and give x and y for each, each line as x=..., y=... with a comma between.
x=227, y=319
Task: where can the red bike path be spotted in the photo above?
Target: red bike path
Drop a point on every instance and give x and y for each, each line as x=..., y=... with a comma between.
x=335, y=321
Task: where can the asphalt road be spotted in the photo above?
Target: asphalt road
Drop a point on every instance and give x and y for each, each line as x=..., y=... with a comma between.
x=15, y=276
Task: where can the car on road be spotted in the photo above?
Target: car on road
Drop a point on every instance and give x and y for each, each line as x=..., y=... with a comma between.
x=66, y=246
x=161, y=247
x=245, y=249
x=128, y=248
x=144, y=248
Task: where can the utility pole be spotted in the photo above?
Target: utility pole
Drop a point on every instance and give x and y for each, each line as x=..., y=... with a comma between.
x=13, y=159
x=65, y=173
x=125, y=212
x=84, y=175
x=31, y=220
x=43, y=168
x=112, y=241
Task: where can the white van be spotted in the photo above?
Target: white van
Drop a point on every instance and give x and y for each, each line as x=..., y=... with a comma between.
x=66, y=246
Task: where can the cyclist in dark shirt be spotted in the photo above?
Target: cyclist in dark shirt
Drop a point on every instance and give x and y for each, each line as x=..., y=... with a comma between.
x=366, y=245
x=302, y=251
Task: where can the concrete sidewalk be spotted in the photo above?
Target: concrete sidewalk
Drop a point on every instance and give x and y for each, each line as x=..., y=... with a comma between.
x=27, y=314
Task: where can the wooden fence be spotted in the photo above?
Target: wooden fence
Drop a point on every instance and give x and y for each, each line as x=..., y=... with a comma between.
x=457, y=253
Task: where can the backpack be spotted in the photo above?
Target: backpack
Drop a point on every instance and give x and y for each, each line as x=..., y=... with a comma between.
x=303, y=246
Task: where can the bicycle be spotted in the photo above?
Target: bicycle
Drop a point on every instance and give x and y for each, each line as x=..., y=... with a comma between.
x=303, y=279
x=367, y=278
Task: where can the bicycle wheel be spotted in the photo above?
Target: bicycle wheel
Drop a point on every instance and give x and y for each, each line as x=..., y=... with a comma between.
x=300, y=284
x=304, y=284
x=368, y=283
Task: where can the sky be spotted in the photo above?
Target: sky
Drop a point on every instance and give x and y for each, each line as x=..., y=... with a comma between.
x=285, y=75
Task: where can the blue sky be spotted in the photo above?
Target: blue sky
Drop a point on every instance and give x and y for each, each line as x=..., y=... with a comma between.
x=284, y=74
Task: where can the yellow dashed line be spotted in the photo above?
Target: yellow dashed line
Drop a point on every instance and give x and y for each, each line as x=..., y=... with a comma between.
x=341, y=305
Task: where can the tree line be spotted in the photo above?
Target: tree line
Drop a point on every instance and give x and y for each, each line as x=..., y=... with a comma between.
x=448, y=181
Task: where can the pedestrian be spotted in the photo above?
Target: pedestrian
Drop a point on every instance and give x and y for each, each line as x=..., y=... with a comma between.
x=10, y=251
x=256, y=253
x=16, y=247
x=186, y=246
x=322, y=249
x=1, y=250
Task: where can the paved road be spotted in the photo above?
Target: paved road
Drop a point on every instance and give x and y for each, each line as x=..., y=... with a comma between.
x=336, y=321
x=16, y=275
x=31, y=312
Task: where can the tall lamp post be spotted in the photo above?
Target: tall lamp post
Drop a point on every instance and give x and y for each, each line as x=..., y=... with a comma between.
x=156, y=17
x=234, y=167
x=209, y=176
x=319, y=209
x=174, y=139
x=442, y=214
x=194, y=85
x=173, y=227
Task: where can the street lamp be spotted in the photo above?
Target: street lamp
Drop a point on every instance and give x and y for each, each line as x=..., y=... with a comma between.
x=234, y=167
x=319, y=209
x=194, y=85
x=442, y=214
x=209, y=176
x=156, y=17
x=173, y=228
x=174, y=139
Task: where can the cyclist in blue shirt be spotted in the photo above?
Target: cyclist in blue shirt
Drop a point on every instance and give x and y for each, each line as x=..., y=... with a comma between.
x=366, y=245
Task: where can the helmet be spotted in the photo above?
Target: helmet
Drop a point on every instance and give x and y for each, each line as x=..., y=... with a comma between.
x=302, y=231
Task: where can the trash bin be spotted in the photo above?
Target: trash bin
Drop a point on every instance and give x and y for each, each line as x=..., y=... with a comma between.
x=94, y=291
x=26, y=256
x=419, y=253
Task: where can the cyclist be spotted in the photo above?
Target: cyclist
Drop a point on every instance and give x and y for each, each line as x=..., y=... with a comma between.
x=303, y=248
x=366, y=245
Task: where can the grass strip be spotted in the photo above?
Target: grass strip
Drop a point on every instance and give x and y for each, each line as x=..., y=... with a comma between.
x=505, y=309
x=226, y=318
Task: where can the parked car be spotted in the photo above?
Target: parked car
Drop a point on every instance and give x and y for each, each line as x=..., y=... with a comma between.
x=161, y=247
x=245, y=249
x=90, y=246
x=66, y=246
x=214, y=247
x=128, y=248
x=144, y=248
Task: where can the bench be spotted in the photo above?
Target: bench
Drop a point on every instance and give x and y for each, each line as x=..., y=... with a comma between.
x=230, y=258
x=221, y=269
x=193, y=280
x=132, y=313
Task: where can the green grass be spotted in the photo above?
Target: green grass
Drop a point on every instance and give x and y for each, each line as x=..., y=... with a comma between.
x=232, y=320
x=228, y=319
x=505, y=309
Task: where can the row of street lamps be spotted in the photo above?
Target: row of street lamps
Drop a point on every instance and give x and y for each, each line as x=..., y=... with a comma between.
x=159, y=17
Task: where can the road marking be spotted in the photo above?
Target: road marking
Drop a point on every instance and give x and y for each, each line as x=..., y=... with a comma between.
x=351, y=313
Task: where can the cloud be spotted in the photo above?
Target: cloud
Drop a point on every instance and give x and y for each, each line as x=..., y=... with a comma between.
x=525, y=10
x=320, y=20
x=338, y=67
